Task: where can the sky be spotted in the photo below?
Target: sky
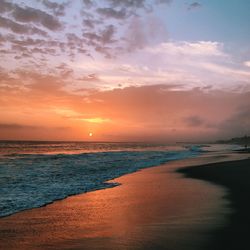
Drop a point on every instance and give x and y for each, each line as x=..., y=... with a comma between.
x=124, y=70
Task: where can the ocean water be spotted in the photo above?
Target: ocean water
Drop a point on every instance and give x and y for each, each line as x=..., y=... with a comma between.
x=33, y=174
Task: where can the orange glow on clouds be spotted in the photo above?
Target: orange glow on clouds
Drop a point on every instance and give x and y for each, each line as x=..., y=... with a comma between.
x=134, y=114
x=95, y=120
x=61, y=79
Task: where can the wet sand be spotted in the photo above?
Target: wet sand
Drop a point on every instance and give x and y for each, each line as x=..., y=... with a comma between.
x=155, y=208
x=235, y=176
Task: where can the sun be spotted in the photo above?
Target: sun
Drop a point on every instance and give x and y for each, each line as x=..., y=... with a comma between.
x=90, y=134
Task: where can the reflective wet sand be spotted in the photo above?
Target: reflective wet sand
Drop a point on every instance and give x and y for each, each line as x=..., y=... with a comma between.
x=155, y=208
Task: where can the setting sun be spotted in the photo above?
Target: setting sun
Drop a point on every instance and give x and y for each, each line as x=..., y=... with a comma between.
x=93, y=92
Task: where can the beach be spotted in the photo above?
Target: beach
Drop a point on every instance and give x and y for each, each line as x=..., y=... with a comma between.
x=235, y=177
x=155, y=208
x=124, y=125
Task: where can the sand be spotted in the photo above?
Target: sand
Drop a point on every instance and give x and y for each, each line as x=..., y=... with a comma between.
x=155, y=208
x=235, y=176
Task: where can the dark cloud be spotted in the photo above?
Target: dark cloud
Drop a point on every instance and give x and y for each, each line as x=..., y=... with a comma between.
x=112, y=13
x=194, y=5
x=127, y=3
x=238, y=124
x=15, y=126
x=192, y=114
x=20, y=28
x=105, y=36
x=138, y=33
x=142, y=32
x=36, y=45
x=28, y=42
x=28, y=14
x=6, y=52
x=89, y=78
x=83, y=51
x=136, y=4
x=89, y=23
x=163, y=1
x=57, y=8
x=65, y=71
x=194, y=121
x=73, y=39
x=88, y=3
x=5, y=6
x=123, y=9
x=100, y=32
x=30, y=45
x=106, y=51
x=2, y=39
x=136, y=36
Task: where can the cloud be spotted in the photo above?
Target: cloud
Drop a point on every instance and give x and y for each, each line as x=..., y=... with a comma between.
x=238, y=123
x=32, y=15
x=15, y=126
x=134, y=112
x=16, y=130
x=5, y=6
x=135, y=31
x=89, y=78
x=247, y=63
x=144, y=32
x=136, y=4
x=163, y=1
x=94, y=120
x=105, y=36
x=234, y=73
x=200, y=64
x=102, y=30
x=28, y=14
x=194, y=121
x=88, y=3
x=65, y=71
x=101, y=40
x=57, y=8
x=111, y=13
x=199, y=48
x=137, y=40
x=194, y=5
x=161, y=108
x=90, y=23
x=127, y=3
x=20, y=28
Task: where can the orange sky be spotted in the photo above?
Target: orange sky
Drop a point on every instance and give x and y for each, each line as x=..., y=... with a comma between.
x=156, y=112
x=118, y=72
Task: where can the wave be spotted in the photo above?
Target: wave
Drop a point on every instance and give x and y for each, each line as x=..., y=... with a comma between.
x=34, y=180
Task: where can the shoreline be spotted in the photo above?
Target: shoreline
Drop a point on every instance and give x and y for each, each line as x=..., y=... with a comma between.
x=54, y=185
x=235, y=177
x=138, y=214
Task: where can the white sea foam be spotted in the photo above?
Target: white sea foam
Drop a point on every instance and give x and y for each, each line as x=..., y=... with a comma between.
x=33, y=180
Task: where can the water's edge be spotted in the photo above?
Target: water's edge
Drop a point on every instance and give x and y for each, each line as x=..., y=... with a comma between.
x=33, y=181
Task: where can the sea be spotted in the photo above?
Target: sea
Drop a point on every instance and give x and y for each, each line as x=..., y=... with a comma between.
x=33, y=174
